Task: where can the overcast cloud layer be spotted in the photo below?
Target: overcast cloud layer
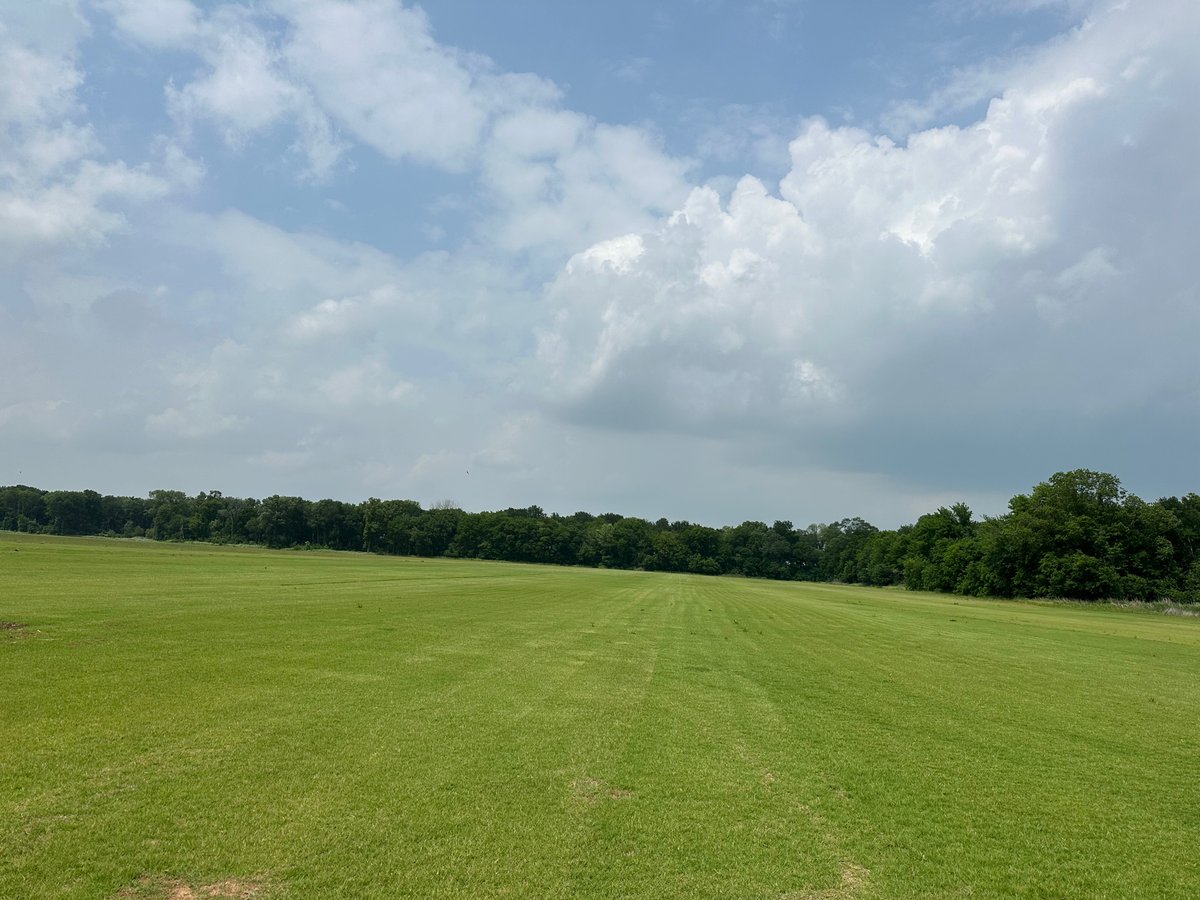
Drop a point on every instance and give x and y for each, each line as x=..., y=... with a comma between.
x=307, y=247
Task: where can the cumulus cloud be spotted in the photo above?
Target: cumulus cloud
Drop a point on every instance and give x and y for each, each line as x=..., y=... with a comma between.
x=247, y=90
x=563, y=181
x=377, y=68
x=687, y=326
x=892, y=287
x=55, y=184
x=372, y=66
x=243, y=92
x=931, y=302
x=335, y=72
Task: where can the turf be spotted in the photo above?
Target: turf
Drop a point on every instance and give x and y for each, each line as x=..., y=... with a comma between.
x=183, y=720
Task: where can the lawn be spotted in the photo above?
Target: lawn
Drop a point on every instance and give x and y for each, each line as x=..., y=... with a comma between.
x=189, y=721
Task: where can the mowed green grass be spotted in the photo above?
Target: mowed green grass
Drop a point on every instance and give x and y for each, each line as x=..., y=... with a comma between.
x=340, y=725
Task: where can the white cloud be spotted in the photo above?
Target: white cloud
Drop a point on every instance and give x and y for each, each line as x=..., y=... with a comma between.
x=157, y=23
x=180, y=169
x=73, y=209
x=554, y=179
x=36, y=88
x=693, y=311
x=54, y=186
x=617, y=255
x=243, y=91
x=1026, y=67
x=894, y=285
x=247, y=91
x=376, y=67
x=562, y=181
x=336, y=317
x=946, y=298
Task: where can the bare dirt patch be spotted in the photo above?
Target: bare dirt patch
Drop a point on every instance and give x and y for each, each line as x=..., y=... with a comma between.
x=160, y=887
x=15, y=629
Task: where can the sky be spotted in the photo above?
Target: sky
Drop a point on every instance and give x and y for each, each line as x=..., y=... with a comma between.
x=701, y=259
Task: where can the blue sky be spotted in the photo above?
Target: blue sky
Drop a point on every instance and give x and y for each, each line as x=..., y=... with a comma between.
x=701, y=259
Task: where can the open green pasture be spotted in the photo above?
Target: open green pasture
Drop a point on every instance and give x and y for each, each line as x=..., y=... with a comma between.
x=323, y=725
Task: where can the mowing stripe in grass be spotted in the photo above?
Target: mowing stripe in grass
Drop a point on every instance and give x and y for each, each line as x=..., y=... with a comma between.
x=346, y=725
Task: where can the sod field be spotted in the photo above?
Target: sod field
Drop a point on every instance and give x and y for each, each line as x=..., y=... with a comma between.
x=190, y=721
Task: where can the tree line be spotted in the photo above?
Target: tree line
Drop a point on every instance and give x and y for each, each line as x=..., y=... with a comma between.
x=1078, y=535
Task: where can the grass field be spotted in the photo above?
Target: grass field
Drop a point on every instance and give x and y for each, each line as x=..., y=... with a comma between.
x=190, y=721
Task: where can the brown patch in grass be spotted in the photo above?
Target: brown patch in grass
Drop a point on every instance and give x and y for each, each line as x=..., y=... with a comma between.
x=159, y=887
x=591, y=791
x=15, y=629
x=854, y=881
x=854, y=878
x=234, y=887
